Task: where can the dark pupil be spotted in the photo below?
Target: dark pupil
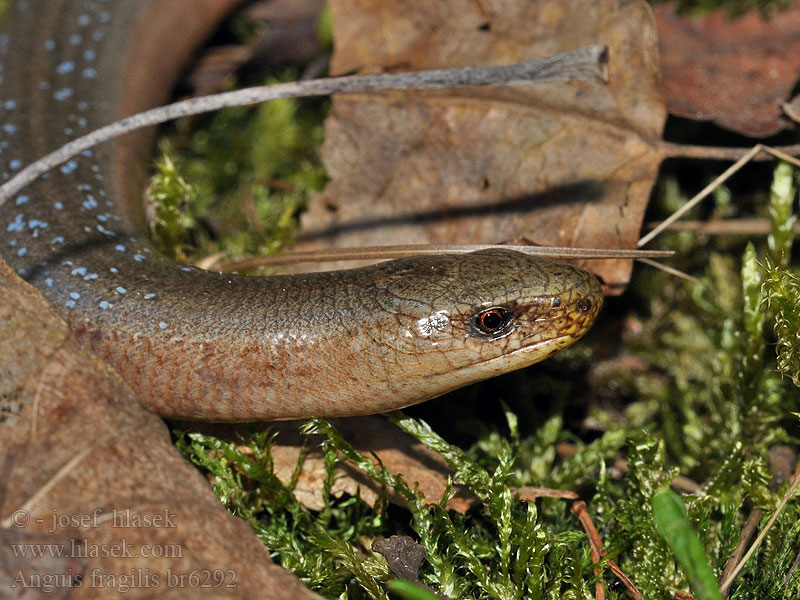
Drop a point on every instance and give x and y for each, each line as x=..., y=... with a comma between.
x=491, y=320
x=584, y=304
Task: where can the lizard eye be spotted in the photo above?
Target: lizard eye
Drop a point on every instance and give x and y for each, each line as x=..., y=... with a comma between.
x=492, y=322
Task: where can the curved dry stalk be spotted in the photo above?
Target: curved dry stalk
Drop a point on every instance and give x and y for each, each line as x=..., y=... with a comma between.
x=589, y=62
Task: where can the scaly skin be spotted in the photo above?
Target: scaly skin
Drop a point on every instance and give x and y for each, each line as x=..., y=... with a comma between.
x=200, y=345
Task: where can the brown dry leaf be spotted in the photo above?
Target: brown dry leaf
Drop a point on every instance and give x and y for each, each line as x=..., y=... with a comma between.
x=85, y=466
x=735, y=72
x=565, y=164
x=399, y=452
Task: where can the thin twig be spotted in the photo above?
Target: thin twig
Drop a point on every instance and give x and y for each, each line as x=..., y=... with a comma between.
x=700, y=195
x=402, y=251
x=790, y=572
x=672, y=150
x=782, y=153
x=529, y=493
x=585, y=63
x=747, y=532
x=671, y=270
x=595, y=544
x=724, y=227
x=579, y=510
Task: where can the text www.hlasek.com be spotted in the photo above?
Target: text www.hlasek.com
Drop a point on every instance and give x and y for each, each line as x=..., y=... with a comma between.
x=83, y=549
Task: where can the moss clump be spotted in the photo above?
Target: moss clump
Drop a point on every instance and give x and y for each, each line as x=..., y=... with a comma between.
x=252, y=172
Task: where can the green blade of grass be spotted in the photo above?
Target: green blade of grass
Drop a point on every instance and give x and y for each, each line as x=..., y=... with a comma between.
x=672, y=522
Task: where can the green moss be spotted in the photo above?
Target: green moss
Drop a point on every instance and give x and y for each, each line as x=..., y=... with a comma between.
x=252, y=172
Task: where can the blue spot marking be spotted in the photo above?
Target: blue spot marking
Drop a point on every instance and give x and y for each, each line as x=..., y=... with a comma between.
x=87, y=153
x=89, y=55
x=104, y=16
x=63, y=94
x=114, y=270
x=65, y=67
x=12, y=243
x=138, y=257
x=76, y=39
x=21, y=200
x=119, y=248
x=70, y=303
x=9, y=105
x=22, y=252
x=104, y=304
x=99, y=36
x=48, y=282
x=162, y=324
x=37, y=224
x=87, y=229
x=121, y=290
x=91, y=276
x=90, y=73
x=90, y=203
x=49, y=44
x=83, y=105
x=58, y=240
x=58, y=206
x=79, y=271
x=18, y=224
x=15, y=164
x=44, y=85
x=102, y=218
x=149, y=296
x=9, y=128
x=74, y=295
x=68, y=167
x=84, y=20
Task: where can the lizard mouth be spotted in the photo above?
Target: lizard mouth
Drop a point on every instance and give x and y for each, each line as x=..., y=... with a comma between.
x=527, y=355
